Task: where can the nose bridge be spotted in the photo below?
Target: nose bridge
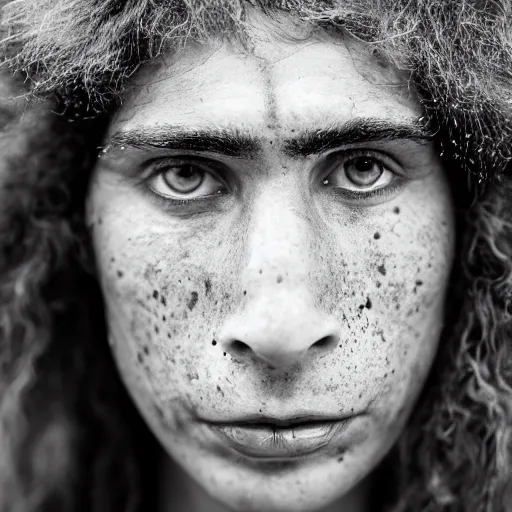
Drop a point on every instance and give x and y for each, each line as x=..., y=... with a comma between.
x=278, y=320
x=278, y=240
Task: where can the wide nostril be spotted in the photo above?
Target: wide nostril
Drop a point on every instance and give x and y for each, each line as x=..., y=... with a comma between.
x=238, y=348
x=326, y=343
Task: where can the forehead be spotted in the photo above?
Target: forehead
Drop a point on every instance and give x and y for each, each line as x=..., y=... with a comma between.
x=285, y=80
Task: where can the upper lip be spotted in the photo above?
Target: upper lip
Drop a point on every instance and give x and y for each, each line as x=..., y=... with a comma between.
x=278, y=422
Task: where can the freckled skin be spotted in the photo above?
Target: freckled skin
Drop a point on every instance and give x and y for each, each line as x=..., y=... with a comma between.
x=278, y=264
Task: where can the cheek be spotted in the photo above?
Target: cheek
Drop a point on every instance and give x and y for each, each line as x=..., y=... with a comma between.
x=164, y=302
x=389, y=290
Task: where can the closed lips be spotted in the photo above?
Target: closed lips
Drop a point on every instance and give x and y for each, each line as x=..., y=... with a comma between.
x=285, y=438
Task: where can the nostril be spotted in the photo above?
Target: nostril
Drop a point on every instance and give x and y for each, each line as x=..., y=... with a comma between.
x=238, y=347
x=325, y=343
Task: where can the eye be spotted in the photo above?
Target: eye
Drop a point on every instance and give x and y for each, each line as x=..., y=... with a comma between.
x=184, y=180
x=359, y=173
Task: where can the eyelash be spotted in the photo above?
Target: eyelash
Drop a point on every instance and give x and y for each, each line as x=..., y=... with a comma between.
x=381, y=157
x=159, y=166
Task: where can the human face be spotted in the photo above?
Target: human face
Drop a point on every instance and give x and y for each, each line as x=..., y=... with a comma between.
x=273, y=241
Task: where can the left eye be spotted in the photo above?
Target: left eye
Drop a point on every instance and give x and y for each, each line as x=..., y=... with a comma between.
x=359, y=173
x=184, y=180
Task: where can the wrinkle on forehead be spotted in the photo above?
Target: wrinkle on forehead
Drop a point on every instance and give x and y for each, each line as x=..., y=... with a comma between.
x=279, y=83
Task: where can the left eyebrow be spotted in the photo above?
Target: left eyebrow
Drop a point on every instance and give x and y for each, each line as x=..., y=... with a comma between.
x=355, y=131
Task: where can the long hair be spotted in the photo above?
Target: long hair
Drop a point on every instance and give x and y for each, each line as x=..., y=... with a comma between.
x=70, y=438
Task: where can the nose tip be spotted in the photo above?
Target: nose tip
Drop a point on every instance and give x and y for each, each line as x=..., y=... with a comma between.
x=280, y=340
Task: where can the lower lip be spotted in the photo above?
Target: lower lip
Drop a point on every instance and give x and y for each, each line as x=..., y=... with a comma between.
x=266, y=442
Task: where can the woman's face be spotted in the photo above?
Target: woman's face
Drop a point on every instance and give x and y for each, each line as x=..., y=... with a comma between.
x=274, y=237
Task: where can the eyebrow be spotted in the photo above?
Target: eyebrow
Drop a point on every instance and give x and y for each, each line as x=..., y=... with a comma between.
x=355, y=131
x=230, y=142
x=235, y=143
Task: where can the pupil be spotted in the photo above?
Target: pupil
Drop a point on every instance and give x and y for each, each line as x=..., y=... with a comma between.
x=364, y=164
x=186, y=172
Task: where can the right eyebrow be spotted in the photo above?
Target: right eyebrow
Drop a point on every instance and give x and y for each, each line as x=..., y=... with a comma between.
x=227, y=142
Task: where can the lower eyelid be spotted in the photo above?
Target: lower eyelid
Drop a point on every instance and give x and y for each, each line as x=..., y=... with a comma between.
x=352, y=195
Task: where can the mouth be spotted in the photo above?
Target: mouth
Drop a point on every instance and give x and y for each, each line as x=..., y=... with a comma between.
x=275, y=438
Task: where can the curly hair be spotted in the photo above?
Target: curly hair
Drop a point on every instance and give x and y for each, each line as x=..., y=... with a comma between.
x=64, y=440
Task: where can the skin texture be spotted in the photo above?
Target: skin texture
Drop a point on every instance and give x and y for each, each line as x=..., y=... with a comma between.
x=277, y=261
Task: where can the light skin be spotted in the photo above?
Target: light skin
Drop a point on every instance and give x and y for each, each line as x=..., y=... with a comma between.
x=307, y=276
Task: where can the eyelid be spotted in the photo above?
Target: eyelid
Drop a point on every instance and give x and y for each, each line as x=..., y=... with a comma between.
x=387, y=160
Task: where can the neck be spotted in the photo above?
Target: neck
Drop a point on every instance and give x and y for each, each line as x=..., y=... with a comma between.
x=180, y=493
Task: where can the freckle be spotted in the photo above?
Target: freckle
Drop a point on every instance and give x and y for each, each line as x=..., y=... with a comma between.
x=396, y=210
x=120, y=273
x=419, y=282
x=146, y=350
x=140, y=357
x=155, y=294
x=245, y=292
x=207, y=286
x=169, y=335
x=157, y=330
x=382, y=269
x=368, y=304
x=224, y=353
x=100, y=221
x=192, y=301
x=112, y=259
x=261, y=271
x=214, y=342
x=376, y=235
x=378, y=284
x=163, y=318
x=279, y=279
x=163, y=301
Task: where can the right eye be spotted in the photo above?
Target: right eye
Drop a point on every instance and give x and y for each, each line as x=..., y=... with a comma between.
x=184, y=180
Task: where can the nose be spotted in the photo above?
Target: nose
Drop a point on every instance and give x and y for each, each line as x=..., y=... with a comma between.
x=279, y=320
x=280, y=328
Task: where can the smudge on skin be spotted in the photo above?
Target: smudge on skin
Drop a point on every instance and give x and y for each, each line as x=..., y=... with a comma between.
x=192, y=301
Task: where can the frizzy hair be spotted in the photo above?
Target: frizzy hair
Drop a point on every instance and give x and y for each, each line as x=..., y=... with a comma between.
x=61, y=399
